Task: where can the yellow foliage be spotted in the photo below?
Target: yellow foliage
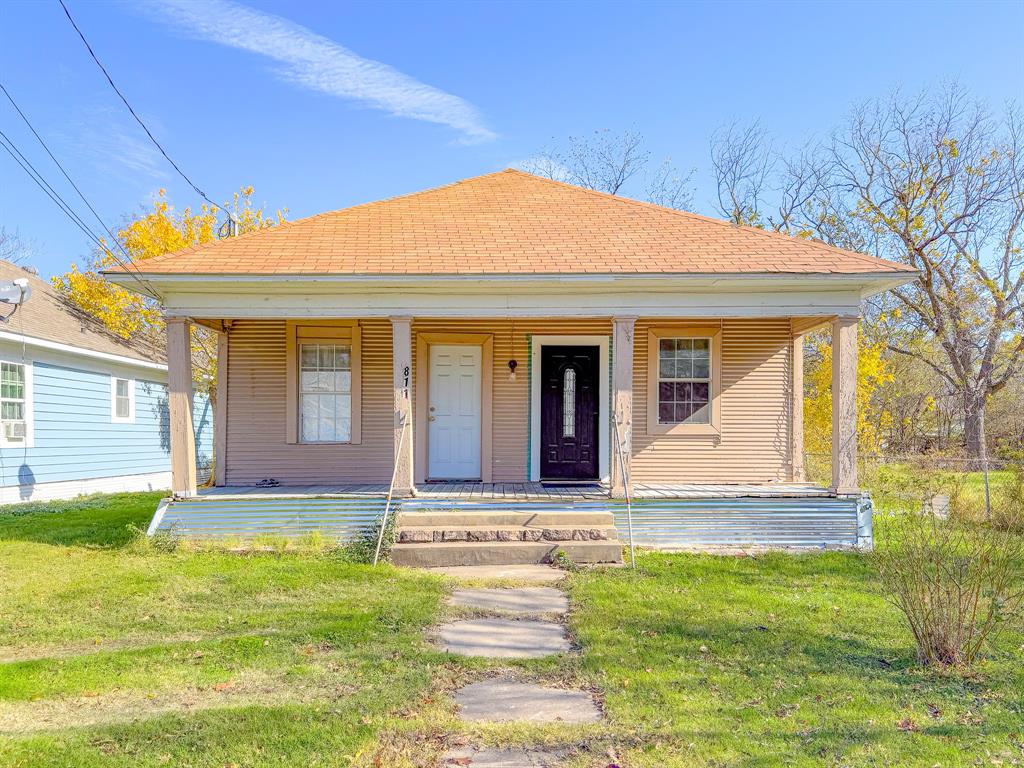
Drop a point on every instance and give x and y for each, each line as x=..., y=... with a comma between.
x=873, y=371
x=154, y=233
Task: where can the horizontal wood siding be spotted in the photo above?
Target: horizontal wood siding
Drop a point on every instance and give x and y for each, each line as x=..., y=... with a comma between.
x=257, y=446
x=511, y=411
x=755, y=431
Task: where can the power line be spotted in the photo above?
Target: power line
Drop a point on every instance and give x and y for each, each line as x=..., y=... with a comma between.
x=131, y=264
x=138, y=119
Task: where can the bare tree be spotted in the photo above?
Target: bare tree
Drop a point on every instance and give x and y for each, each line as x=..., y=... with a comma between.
x=742, y=161
x=670, y=188
x=939, y=185
x=12, y=247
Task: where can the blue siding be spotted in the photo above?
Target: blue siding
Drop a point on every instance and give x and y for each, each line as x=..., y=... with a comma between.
x=74, y=438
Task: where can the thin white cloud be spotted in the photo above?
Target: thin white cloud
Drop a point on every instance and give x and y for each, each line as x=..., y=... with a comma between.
x=101, y=137
x=313, y=61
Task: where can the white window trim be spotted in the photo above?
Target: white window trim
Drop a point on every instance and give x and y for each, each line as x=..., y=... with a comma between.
x=29, y=440
x=114, y=418
x=603, y=398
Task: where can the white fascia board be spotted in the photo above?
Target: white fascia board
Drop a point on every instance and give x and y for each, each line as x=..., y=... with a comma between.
x=867, y=283
x=32, y=341
x=495, y=304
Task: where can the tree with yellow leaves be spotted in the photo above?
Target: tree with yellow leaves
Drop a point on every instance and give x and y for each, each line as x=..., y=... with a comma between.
x=873, y=371
x=154, y=233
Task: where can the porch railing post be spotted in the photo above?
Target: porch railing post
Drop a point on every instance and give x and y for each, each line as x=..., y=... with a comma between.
x=622, y=402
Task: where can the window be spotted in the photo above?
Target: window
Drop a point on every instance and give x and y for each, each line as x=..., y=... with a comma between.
x=325, y=393
x=14, y=404
x=684, y=365
x=323, y=382
x=122, y=400
x=569, y=403
x=684, y=381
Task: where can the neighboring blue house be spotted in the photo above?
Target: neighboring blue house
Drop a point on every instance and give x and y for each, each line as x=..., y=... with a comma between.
x=81, y=410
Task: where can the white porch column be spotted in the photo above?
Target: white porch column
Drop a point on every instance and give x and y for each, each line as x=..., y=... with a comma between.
x=401, y=335
x=622, y=402
x=179, y=399
x=844, y=405
x=797, y=472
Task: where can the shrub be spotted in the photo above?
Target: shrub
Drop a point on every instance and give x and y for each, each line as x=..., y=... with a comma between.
x=957, y=582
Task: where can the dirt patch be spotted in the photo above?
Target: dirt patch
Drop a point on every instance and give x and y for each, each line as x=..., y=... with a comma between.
x=129, y=706
x=10, y=655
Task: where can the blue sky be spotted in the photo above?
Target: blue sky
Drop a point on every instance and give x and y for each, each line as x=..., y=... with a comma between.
x=324, y=105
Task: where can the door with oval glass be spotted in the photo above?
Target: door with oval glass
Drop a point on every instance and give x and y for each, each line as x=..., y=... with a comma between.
x=569, y=412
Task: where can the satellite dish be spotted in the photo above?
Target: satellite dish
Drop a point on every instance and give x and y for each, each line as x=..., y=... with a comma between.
x=15, y=292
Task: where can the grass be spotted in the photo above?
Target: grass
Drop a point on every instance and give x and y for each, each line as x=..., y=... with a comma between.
x=115, y=653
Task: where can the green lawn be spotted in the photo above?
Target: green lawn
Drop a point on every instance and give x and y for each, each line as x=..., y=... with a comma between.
x=113, y=653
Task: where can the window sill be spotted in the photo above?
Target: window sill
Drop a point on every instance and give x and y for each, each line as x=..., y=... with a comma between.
x=684, y=430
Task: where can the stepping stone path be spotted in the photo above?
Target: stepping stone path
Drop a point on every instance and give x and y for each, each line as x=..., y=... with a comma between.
x=523, y=634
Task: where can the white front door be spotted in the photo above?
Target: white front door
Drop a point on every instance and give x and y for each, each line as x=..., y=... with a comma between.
x=453, y=412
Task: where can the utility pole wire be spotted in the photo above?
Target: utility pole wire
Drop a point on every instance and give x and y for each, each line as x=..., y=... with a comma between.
x=232, y=224
x=131, y=264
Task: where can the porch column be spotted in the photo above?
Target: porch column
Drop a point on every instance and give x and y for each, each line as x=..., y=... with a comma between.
x=622, y=403
x=401, y=335
x=220, y=413
x=179, y=400
x=797, y=472
x=844, y=405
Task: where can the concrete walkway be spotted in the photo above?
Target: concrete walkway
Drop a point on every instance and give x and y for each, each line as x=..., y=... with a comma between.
x=528, y=625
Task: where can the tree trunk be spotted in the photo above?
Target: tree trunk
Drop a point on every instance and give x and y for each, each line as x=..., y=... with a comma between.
x=974, y=427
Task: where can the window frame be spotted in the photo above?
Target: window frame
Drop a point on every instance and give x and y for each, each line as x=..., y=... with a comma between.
x=114, y=418
x=27, y=412
x=322, y=332
x=654, y=336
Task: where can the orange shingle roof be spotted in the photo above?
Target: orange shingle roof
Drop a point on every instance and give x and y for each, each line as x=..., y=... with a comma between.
x=511, y=222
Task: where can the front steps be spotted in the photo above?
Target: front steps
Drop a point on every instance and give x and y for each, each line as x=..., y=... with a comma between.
x=430, y=538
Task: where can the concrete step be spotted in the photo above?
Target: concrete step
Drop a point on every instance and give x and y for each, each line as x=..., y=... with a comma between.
x=451, y=553
x=418, y=534
x=507, y=517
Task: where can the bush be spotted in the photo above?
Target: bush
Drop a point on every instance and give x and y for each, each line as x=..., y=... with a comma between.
x=957, y=582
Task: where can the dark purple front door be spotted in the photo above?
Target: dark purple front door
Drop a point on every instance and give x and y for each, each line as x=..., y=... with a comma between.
x=568, y=412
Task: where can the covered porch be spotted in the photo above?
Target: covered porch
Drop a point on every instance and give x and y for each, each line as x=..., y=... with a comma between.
x=748, y=443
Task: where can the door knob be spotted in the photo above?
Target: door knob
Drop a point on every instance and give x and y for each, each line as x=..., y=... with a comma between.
x=431, y=418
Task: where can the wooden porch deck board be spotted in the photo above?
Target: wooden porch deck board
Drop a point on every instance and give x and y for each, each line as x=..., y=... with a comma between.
x=528, y=491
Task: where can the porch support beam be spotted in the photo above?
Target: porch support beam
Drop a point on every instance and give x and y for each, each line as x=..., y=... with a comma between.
x=623, y=328
x=797, y=472
x=844, y=405
x=179, y=397
x=220, y=414
x=401, y=335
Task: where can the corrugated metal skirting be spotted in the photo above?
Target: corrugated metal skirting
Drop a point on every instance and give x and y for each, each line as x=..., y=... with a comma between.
x=799, y=522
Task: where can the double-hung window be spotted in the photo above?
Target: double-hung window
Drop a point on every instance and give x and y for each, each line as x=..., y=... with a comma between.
x=323, y=383
x=684, y=371
x=14, y=404
x=122, y=400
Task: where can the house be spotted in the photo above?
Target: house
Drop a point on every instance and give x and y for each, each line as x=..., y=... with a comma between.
x=508, y=343
x=81, y=410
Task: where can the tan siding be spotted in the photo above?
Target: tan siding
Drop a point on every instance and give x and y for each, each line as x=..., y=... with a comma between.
x=753, y=446
x=256, y=428
x=754, y=441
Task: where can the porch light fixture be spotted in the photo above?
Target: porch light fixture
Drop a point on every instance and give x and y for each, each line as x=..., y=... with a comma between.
x=512, y=365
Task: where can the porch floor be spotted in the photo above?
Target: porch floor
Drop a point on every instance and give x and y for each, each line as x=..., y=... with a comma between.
x=526, y=491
